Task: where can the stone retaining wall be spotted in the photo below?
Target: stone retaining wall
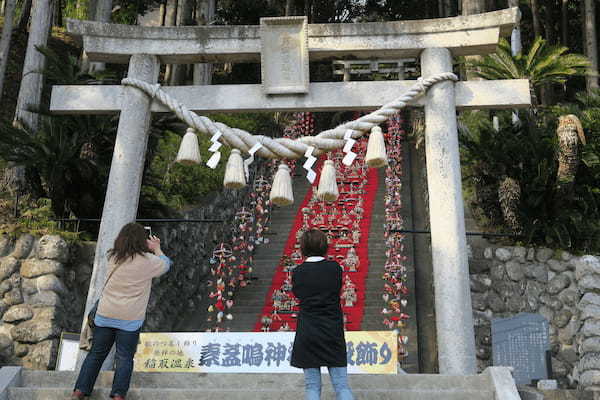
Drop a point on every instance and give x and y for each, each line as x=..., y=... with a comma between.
x=43, y=284
x=182, y=291
x=563, y=288
x=587, y=273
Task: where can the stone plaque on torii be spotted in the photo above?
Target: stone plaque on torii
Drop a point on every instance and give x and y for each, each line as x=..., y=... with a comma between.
x=435, y=42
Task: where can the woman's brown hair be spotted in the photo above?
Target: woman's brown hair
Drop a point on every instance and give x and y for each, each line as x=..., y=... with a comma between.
x=130, y=241
x=313, y=243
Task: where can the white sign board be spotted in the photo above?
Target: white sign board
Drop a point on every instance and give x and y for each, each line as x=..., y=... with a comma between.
x=67, y=352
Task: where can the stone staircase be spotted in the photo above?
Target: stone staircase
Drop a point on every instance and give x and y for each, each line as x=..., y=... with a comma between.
x=249, y=301
x=494, y=383
x=373, y=319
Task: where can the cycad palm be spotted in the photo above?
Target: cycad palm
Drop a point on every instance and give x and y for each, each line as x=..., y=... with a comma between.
x=541, y=65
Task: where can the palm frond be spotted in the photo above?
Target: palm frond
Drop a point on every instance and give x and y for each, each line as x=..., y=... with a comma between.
x=536, y=48
x=542, y=64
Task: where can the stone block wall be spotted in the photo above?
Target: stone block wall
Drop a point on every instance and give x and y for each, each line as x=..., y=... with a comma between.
x=587, y=273
x=564, y=289
x=181, y=293
x=43, y=285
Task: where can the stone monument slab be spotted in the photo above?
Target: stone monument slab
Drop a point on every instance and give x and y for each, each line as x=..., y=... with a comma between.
x=284, y=55
x=522, y=342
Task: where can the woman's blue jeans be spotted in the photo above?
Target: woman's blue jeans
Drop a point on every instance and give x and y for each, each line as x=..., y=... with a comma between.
x=339, y=381
x=104, y=338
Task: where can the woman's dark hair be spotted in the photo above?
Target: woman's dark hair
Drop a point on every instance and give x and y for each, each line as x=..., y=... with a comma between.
x=130, y=241
x=313, y=243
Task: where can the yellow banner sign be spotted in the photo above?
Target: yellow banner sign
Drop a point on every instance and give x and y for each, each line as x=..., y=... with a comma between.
x=368, y=352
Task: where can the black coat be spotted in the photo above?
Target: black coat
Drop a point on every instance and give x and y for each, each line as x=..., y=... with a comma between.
x=319, y=340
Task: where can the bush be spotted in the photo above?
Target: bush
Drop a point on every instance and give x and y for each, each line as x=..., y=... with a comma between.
x=511, y=176
x=176, y=185
x=36, y=218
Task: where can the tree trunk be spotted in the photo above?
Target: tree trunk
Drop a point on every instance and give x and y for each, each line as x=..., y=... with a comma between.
x=78, y=9
x=163, y=13
x=308, y=10
x=549, y=22
x=564, y=22
x=25, y=14
x=470, y=7
x=185, y=12
x=170, y=20
x=591, y=44
x=535, y=10
x=547, y=90
x=204, y=15
x=5, y=40
x=91, y=9
x=30, y=91
x=58, y=20
x=102, y=13
x=448, y=8
x=289, y=7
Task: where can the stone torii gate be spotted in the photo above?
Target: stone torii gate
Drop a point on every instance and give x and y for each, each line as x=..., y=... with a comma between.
x=286, y=87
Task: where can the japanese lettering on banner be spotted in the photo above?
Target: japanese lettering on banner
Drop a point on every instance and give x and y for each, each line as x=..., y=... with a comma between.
x=368, y=352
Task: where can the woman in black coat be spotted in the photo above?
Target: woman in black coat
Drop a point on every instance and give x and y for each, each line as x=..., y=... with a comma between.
x=319, y=340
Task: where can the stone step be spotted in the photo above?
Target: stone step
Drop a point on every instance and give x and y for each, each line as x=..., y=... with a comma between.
x=266, y=260
x=146, y=380
x=57, y=385
x=255, y=394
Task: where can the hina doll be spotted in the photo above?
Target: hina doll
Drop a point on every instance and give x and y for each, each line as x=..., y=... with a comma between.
x=348, y=293
x=351, y=261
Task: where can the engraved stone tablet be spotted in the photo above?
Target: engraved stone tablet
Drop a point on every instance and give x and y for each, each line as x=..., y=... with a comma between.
x=521, y=342
x=284, y=55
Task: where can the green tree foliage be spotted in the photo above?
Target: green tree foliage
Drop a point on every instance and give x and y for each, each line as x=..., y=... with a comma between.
x=61, y=158
x=245, y=12
x=512, y=174
x=176, y=185
x=397, y=10
x=543, y=64
x=36, y=218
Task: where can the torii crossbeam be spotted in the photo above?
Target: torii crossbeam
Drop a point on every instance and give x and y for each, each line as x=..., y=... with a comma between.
x=434, y=41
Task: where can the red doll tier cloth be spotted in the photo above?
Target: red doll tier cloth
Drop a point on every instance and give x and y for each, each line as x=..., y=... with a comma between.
x=346, y=222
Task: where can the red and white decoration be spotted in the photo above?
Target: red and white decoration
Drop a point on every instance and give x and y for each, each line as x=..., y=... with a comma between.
x=346, y=221
x=395, y=292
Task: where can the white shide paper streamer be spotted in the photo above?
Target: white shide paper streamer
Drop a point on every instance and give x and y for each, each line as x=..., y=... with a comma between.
x=350, y=155
x=213, y=161
x=311, y=175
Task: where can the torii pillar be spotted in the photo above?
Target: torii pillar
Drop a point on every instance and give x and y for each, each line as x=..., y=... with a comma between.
x=453, y=310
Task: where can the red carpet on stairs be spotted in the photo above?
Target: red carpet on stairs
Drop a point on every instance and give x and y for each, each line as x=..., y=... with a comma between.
x=347, y=223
